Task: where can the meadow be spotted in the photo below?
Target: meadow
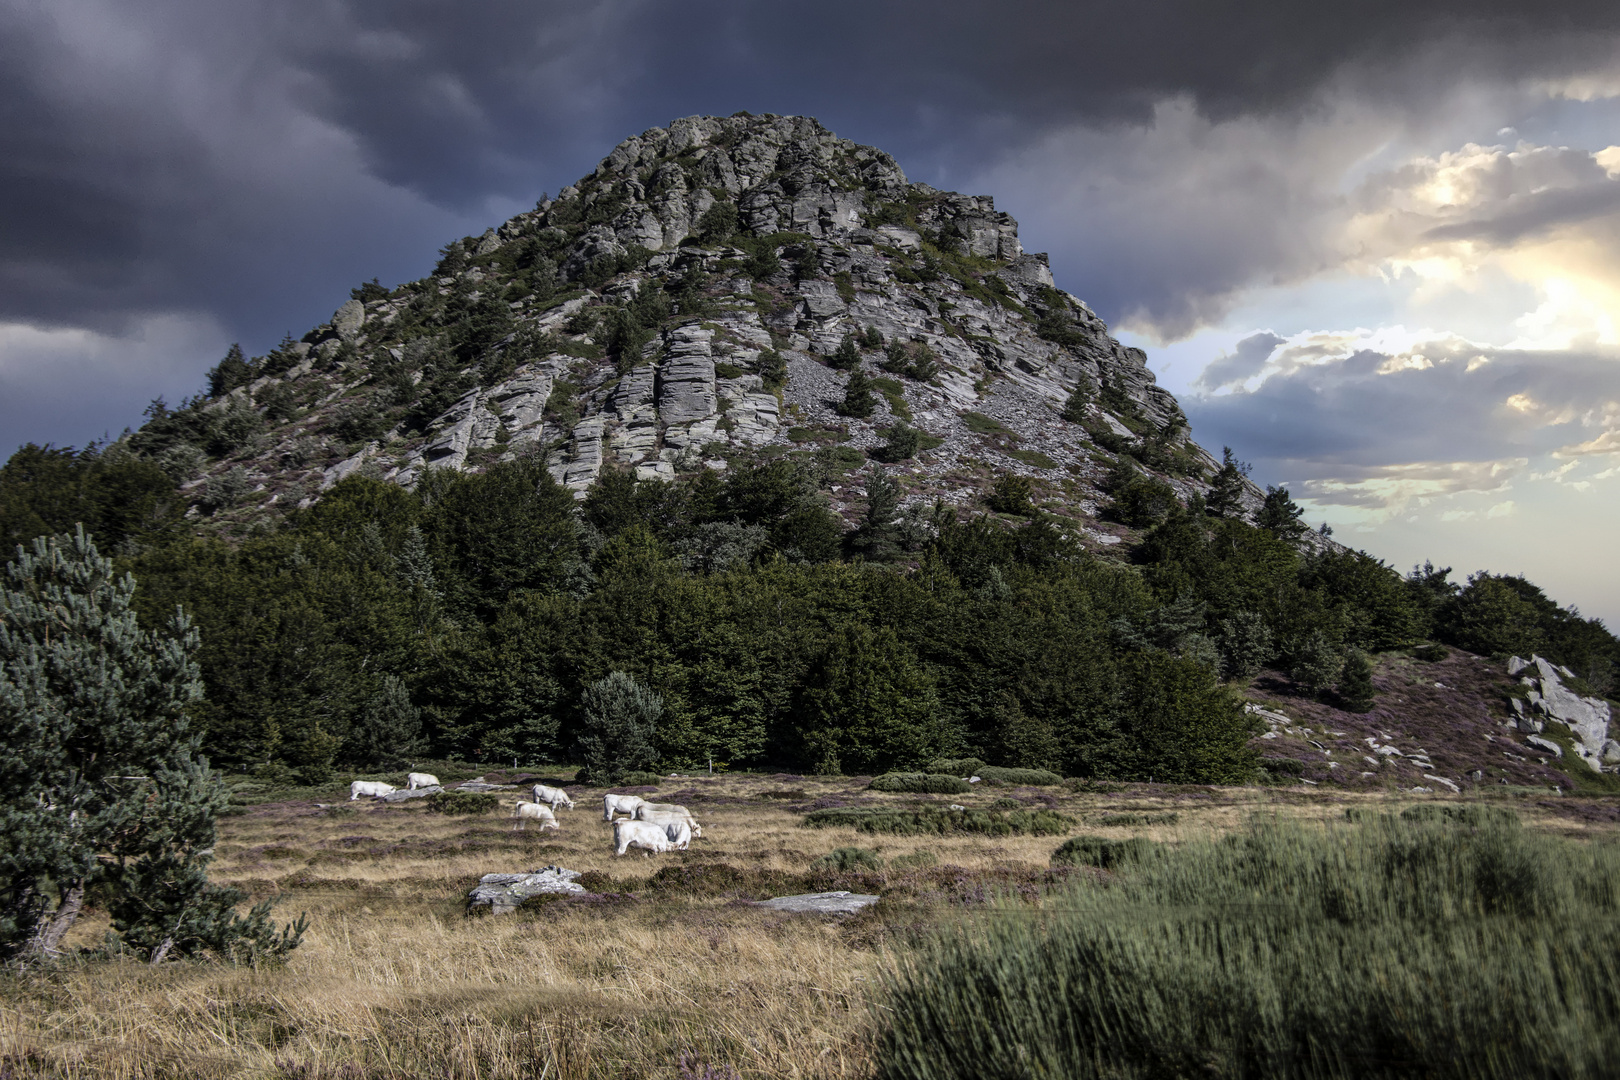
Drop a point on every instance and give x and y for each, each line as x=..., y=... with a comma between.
x=668, y=969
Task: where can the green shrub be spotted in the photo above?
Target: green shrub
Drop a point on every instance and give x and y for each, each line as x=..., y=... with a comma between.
x=1168, y=817
x=1431, y=654
x=848, y=859
x=921, y=784
x=1005, y=803
x=917, y=860
x=1393, y=949
x=1099, y=852
x=968, y=766
x=640, y=779
x=463, y=802
x=942, y=822
x=996, y=774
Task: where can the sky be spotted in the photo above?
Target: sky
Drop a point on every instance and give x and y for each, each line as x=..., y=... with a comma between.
x=1372, y=246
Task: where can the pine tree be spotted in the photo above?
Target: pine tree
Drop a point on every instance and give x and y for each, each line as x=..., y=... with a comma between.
x=229, y=373
x=100, y=781
x=903, y=443
x=858, y=401
x=1074, y=409
x=847, y=356
x=1355, y=683
x=621, y=720
x=1316, y=664
x=1281, y=515
x=388, y=731
x=1225, y=497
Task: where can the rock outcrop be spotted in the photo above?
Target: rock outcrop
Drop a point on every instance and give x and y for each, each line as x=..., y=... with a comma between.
x=1548, y=700
x=504, y=893
x=680, y=309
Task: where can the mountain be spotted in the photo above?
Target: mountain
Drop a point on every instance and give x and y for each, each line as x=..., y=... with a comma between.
x=703, y=298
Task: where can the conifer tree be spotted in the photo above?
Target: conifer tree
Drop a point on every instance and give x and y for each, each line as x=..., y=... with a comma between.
x=1074, y=409
x=1281, y=515
x=1226, y=490
x=847, y=356
x=621, y=719
x=229, y=373
x=100, y=781
x=858, y=401
x=1355, y=683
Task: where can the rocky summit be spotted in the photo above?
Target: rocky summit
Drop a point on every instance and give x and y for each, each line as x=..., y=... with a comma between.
x=720, y=290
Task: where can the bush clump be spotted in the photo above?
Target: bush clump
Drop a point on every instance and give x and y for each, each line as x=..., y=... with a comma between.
x=1167, y=817
x=996, y=774
x=1284, y=951
x=640, y=779
x=463, y=802
x=921, y=783
x=967, y=766
x=849, y=859
x=942, y=822
x=1100, y=852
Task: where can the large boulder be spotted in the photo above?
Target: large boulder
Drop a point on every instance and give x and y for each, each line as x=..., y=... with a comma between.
x=503, y=893
x=840, y=902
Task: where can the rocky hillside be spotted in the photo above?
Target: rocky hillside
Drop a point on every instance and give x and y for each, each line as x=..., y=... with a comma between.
x=706, y=296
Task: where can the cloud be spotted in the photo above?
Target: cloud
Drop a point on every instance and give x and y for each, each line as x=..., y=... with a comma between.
x=1243, y=363
x=1380, y=431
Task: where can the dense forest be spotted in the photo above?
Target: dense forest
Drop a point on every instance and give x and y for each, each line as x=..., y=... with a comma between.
x=467, y=619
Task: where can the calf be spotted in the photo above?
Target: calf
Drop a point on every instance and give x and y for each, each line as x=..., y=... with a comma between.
x=527, y=811
x=369, y=787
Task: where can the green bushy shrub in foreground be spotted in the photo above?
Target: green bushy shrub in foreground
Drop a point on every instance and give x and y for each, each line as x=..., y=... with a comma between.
x=1394, y=948
x=921, y=783
x=941, y=822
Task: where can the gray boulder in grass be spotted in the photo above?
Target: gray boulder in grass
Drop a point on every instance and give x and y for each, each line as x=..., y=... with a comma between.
x=504, y=893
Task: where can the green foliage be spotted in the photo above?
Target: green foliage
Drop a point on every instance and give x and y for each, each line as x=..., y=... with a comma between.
x=718, y=223
x=620, y=723
x=1170, y=967
x=1012, y=495
x=1355, y=687
x=1316, y=663
x=1143, y=501
x=845, y=286
x=233, y=371
x=847, y=860
x=913, y=359
x=463, y=803
x=858, y=401
x=963, y=767
x=847, y=357
x=772, y=369
x=1100, y=852
x=1245, y=644
x=1225, y=498
x=902, y=444
x=640, y=778
x=1431, y=654
x=118, y=497
x=387, y=733
x=1078, y=401
x=942, y=822
x=102, y=784
x=1280, y=515
x=980, y=424
x=369, y=291
x=921, y=783
x=869, y=705
x=998, y=774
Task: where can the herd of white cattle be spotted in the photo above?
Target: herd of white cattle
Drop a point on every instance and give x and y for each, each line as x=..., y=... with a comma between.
x=653, y=827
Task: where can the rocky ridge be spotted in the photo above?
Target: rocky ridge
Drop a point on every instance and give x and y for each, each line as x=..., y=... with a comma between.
x=689, y=305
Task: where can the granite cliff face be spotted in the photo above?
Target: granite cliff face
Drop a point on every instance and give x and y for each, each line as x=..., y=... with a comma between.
x=702, y=299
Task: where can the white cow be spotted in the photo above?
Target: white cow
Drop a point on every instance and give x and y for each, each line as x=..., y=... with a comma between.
x=369, y=787
x=527, y=811
x=420, y=779
x=679, y=831
x=552, y=796
x=620, y=804
x=645, y=812
x=641, y=834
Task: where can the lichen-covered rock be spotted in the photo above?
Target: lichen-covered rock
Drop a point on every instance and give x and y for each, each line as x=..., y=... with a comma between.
x=503, y=893
x=840, y=902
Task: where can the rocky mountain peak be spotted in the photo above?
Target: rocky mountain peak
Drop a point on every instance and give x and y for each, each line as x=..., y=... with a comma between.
x=716, y=292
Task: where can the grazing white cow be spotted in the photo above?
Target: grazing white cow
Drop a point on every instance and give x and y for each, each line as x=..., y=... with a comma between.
x=552, y=796
x=369, y=787
x=641, y=834
x=530, y=811
x=680, y=832
x=644, y=812
x=620, y=804
x=420, y=779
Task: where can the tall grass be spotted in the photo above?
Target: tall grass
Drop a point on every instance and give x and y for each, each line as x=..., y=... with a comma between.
x=1393, y=948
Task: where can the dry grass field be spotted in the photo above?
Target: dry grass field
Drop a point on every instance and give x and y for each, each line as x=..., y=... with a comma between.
x=667, y=971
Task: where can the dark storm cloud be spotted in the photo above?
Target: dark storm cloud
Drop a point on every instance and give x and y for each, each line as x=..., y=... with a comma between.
x=242, y=164
x=1244, y=362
